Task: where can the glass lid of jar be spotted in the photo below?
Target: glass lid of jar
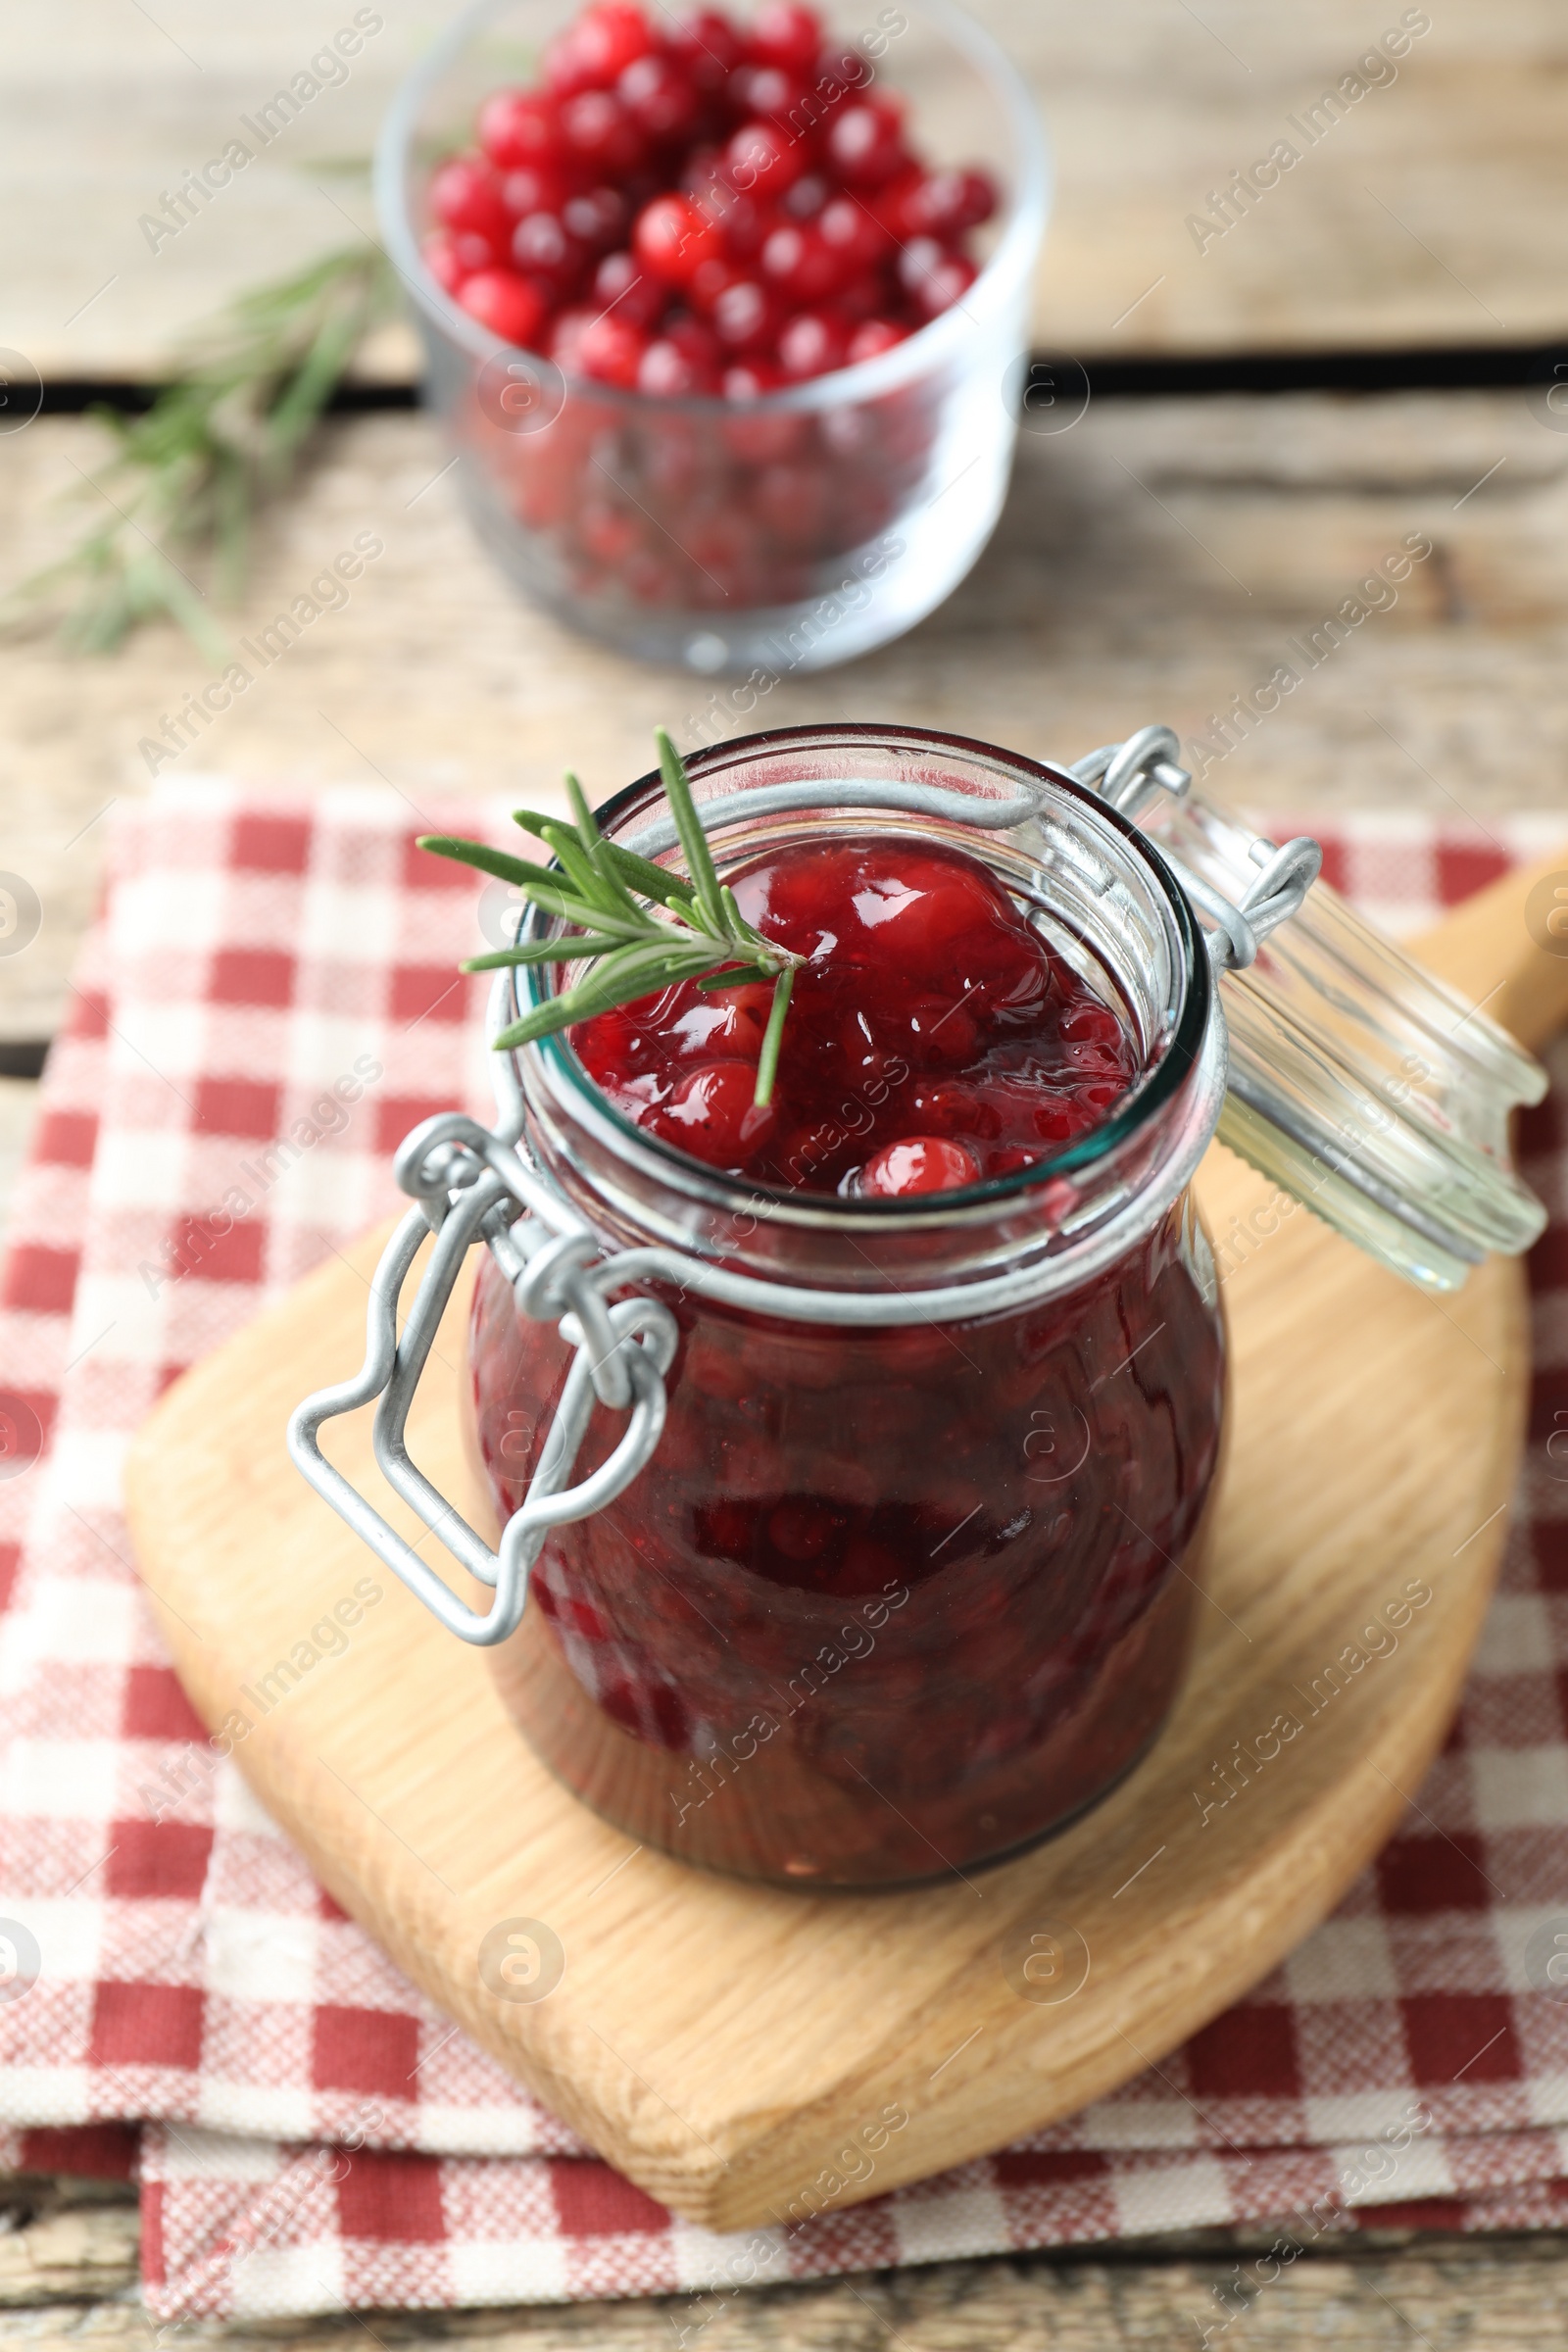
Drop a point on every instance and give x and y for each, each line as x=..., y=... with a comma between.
x=1365, y=1087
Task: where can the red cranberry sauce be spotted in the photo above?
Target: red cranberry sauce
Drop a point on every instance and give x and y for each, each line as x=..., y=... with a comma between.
x=934, y=1038
x=885, y=1602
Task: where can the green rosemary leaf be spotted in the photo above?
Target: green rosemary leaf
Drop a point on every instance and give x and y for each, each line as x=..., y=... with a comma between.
x=774, y=1038
x=479, y=852
x=585, y=914
x=543, y=1022
x=597, y=848
x=636, y=971
x=575, y=863
x=583, y=818
x=735, y=976
x=653, y=881
x=744, y=934
x=640, y=975
x=628, y=950
x=563, y=949
x=693, y=840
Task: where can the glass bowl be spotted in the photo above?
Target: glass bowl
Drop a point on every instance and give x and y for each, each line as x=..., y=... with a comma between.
x=794, y=532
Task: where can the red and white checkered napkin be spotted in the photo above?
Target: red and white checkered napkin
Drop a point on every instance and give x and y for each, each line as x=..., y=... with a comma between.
x=192, y=1979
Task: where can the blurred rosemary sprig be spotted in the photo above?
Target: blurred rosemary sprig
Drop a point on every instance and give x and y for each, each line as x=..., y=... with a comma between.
x=185, y=480
x=632, y=951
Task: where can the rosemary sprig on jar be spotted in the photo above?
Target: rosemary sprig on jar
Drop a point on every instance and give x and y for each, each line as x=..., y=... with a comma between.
x=692, y=930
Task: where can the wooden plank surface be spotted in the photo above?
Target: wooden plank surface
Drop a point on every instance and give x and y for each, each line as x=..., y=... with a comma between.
x=1432, y=208
x=69, y=2252
x=1154, y=561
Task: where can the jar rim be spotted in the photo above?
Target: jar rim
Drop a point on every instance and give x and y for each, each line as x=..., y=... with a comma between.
x=1150, y=1093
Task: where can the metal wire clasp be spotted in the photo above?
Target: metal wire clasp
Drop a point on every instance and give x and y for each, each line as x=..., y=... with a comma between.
x=1129, y=775
x=470, y=1184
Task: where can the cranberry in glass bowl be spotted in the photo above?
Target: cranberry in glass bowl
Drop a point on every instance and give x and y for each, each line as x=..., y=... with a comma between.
x=714, y=331
x=906, y=1582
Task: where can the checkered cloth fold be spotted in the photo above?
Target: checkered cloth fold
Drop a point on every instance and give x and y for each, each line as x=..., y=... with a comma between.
x=264, y=1007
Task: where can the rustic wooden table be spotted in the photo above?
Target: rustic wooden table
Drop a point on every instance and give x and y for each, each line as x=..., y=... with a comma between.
x=1152, y=564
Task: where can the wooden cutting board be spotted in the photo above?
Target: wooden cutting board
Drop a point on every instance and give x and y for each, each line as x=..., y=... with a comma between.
x=740, y=2053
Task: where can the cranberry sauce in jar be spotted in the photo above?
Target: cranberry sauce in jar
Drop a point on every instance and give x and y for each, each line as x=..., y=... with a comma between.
x=890, y=1597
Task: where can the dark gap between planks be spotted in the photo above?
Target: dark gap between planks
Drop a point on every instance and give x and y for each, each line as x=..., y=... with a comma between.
x=1481, y=368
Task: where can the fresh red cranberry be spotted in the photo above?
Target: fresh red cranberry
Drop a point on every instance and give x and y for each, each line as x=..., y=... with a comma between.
x=605, y=40
x=936, y=279
x=707, y=49
x=771, y=97
x=518, y=128
x=544, y=249
x=896, y=205
x=840, y=74
x=918, y=1163
x=673, y=238
x=658, y=97
x=783, y=34
x=745, y=316
x=854, y=233
x=873, y=337
x=806, y=199
x=861, y=298
x=635, y=294
x=471, y=251
x=610, y=349
x=692, y=336
x=748, y=222
x=599, y=219
x=565, y=349
x=509, y=306
x=799, y=262
x=682, y=361
x=533, y=188
x=813, y=343
x=763, y=160
x=598, y=134
x=567, y=70
x=465, y=194
x=866, y=143
x=668, y=372
x=947, y=204
x=440, y=255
